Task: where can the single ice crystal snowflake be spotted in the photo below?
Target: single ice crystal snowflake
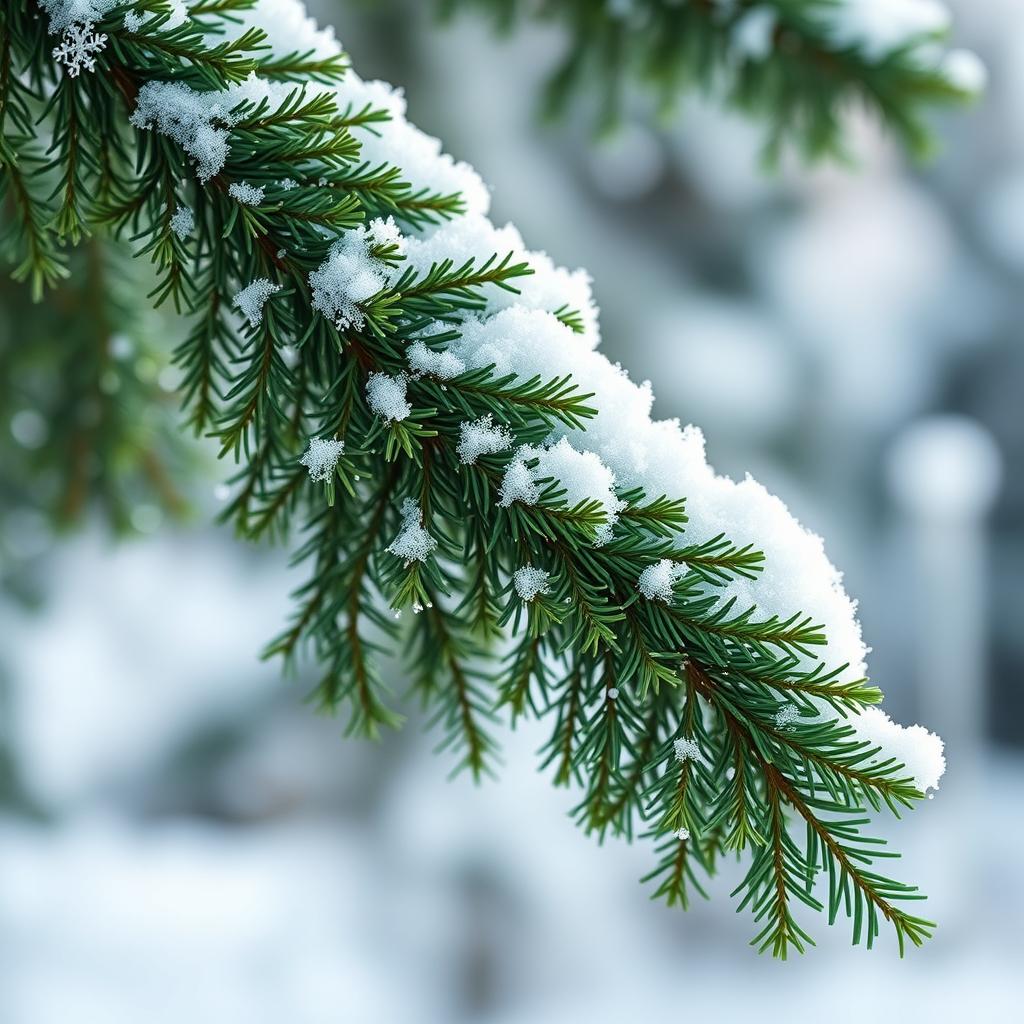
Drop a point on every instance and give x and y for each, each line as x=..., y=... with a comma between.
x=78, y=48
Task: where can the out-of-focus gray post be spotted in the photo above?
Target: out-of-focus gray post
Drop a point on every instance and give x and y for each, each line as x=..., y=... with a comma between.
x=944, y=475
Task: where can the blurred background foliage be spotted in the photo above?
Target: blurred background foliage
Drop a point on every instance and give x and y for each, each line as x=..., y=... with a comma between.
x=182, y=839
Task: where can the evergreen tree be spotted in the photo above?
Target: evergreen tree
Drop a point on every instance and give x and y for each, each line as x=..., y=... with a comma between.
x=416, y=402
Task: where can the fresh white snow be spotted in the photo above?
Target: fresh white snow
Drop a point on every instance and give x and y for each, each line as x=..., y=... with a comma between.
x=321, y=458
x=655, y=582
x=686, y=750
x=413, y=543
x=253, y=297
x=529, y=582
x=482, y=437
x=248, y=195
x=386, y=396
x=183, y=222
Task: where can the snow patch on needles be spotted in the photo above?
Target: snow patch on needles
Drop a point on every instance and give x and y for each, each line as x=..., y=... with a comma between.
x=413, y=543
x=190, y=119
x=482, y=437
x=529, y=582
x=686, y=750
x=580, y=474
x=348, y=277
x=920, y=751
x=786, y=716
x=321, y=458
x=403, y=145
x=384, y=233
x=655, y=582
x=386, y=396
x=78, y=48
x=248, y=195
x=183, y=222
x=444, y=364
x=290, y=29
x=519, y=334
x=200, y=121
x=253, y=297
x=64, y=13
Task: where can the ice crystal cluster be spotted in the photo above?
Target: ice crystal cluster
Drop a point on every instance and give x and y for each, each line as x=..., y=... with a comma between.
x=786, y=716
x=656, y=581
x=321, y=458
x=530, y=581
x=183, y=222
x=482, y=437
x=253, y=297
x=686, y=750
x=248, y=195
x=200, y=122
x=413, y=543
x=349, y=276
x=386, y=396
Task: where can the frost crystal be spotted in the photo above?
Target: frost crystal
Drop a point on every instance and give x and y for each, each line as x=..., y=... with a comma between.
x=253, y=297
x=529, y=582
x=348, y=277
x=413, y=543
x=243, y=192
x=78, y=48
x=481, y=437
x=183, y=222
x=321, y=458
x=682, y=834
x=386, y=396
x=786, y=716
x=287, y=184
x=444, y=365
x=686, y=750
x=132, y=21
x=655, y=582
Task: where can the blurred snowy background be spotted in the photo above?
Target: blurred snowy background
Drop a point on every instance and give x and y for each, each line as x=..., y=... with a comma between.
x=181, y=839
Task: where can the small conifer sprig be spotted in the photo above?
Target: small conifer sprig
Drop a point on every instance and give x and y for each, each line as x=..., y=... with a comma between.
x=432, y=508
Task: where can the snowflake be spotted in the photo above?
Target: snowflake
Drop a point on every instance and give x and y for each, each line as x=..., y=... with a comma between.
x=78, y=48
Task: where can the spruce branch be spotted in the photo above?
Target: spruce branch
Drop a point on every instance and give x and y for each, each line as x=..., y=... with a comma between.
x=330, y=353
